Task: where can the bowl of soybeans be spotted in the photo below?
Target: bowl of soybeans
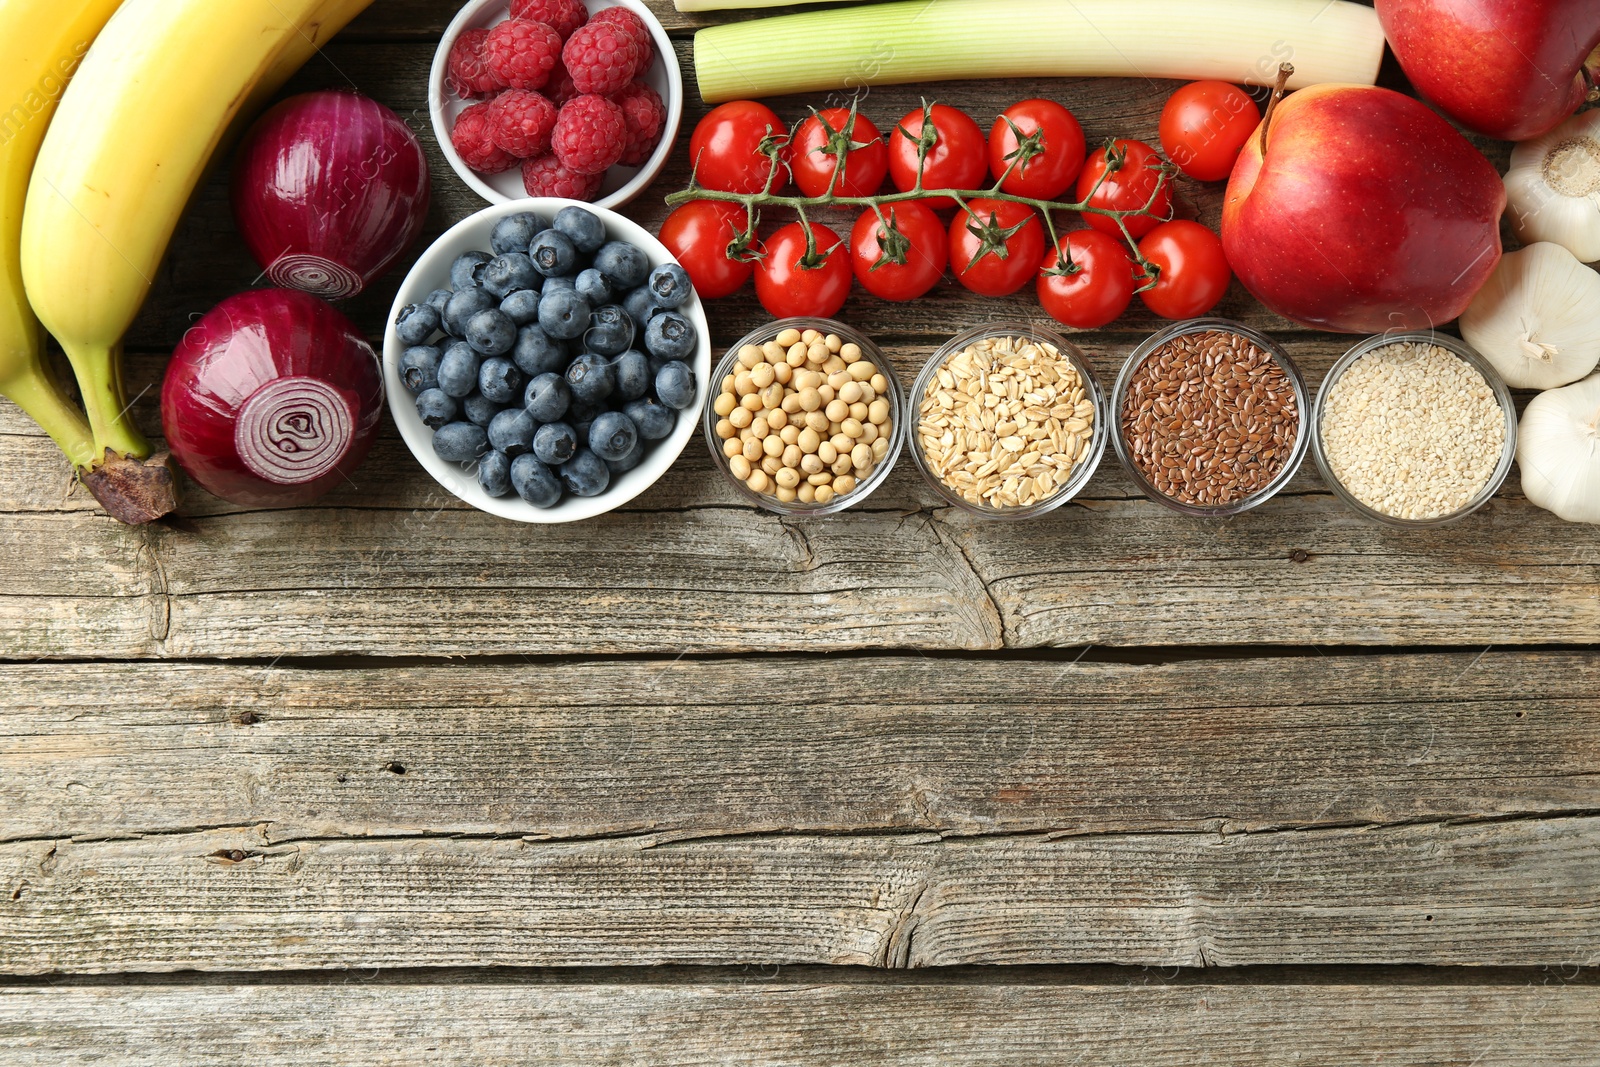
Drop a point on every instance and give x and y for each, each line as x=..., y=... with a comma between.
x=805, y=417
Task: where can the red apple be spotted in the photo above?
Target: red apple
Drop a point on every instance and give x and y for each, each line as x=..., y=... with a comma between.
x=1367, y=213
x=1507, y=68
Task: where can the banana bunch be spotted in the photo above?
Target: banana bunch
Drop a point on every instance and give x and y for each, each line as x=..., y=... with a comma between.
x=86, y=216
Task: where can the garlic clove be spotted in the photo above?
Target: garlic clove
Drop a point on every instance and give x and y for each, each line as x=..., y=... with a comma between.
x=1553, y=187
x=1536, y=318
x=1558, y=450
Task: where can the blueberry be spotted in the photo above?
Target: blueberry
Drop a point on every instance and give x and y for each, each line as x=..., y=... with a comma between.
x=670, y=285
x=494, y=473
x=610, y=331
x=438, y=299
x=654, y=421
x=585, y=474
x=458, y=369
x=623, y=265
x=522, y=306
x=512, y=431
x=499, y=380
x=480, y=410
x=675, y=386
x=641, y=304
x=560, y=281
x=581, y=416
x=670, y=336
x=464, y=305
x=612, y=435
x=591, y=378
x=515, y=233
x=510, y=273
x=467, y=271
x=537, y=354
x=460, y=442
x=417, y=323
x=582, y=227
x=419, y=367
x=535, y=482
x=547, y=398
x=656, y=363
x=563, y=314
x=553, y=253
x=628, y=462
x=632, y=369
x=593, y=287
x=436, y=407
x=554, y=443
x=492, y=332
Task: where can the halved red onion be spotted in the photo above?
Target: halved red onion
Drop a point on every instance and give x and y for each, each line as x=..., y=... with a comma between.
x=272, y=399
x=329, y=190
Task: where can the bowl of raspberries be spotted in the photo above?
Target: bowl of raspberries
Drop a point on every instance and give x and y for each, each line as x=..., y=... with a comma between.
x=546, y=360
x=578, y=99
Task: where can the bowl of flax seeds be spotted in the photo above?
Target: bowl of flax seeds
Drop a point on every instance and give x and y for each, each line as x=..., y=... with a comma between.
x=1208, y=417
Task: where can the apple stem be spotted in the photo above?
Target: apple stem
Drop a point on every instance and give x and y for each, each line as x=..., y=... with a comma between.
x=1591, y=75
x=1284, y=72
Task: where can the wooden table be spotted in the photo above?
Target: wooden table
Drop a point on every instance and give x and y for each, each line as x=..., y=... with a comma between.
x=386, y=780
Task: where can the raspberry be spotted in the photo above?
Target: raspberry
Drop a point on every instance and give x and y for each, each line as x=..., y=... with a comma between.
x=520, y=122
x=470, y=76
x=546, y=176
x=624, y=19
x=522, y=53
x=645, y=116
x=472, y=141
x=563, y=16
x=601, y=57
x=590, y=135
x=560, y=88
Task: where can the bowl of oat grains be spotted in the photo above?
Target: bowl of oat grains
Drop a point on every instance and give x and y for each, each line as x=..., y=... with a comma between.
x=1207, y=418
x=1414, y=429
x=1008, y=421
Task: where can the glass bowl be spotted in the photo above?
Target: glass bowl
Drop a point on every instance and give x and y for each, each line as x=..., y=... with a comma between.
x=895, y=396
x=1468, y=356
x=1080, y=474
x=1260, y=340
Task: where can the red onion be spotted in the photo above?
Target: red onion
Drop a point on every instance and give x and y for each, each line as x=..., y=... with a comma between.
x=329, y=190
x=272, y=399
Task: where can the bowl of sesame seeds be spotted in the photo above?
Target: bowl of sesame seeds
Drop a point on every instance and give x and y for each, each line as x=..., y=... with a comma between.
x=1207, y=418
x=1414, y=429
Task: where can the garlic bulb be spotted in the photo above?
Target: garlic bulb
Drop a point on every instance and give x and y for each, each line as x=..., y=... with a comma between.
x=1558, y=448
x=1553, y=187
x=1537, y=318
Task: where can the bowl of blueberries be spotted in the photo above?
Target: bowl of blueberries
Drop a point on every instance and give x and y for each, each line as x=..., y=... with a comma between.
x=546, y=360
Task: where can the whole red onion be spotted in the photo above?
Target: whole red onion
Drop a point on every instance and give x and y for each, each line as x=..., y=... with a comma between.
x=329, y=190
x=272, y=399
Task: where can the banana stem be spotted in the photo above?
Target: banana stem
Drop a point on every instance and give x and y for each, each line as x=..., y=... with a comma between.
x=60, y=418
x=99, y=371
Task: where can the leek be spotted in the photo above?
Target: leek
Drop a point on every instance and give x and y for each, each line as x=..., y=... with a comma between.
x=1240, y=41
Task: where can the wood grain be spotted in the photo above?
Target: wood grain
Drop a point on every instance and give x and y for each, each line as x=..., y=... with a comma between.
x=699, y=748
x=812, y=1017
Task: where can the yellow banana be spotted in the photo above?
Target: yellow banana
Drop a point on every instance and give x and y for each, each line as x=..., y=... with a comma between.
x=45, y=42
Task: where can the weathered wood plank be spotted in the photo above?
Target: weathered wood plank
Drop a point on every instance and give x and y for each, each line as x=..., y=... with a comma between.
x=1509, y=892
x=811, y=1017
x=712, y=747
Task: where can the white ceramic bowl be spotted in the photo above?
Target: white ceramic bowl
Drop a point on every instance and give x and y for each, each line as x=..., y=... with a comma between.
x=433, y=272
x=622, y=184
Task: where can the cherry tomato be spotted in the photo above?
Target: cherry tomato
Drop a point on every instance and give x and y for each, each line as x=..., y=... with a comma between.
x=725, y=148
x=955, y=161
x=790, y=284
x=1132, y=171
x=920, y=242
x=995, y=246
x=698, y=234
x=1099, y=282
x=1203, y=127
x=815, y=147
x=1192, y=272
x=1047, y=168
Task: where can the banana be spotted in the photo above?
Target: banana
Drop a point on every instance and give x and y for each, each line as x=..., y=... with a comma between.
x=45, y=42
x=156, y=96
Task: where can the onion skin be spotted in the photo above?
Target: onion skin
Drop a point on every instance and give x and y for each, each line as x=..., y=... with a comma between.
x=329, y=190
x=272, y=399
